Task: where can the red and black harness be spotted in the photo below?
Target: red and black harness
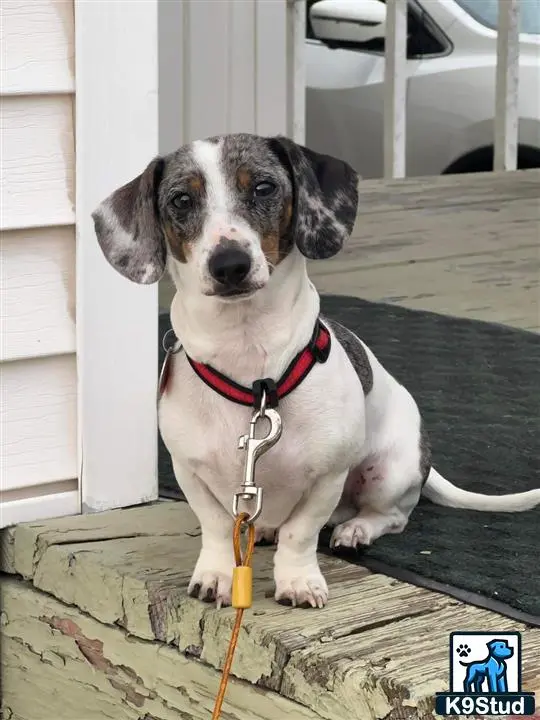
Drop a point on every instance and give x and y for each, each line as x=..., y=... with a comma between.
x=316, y=351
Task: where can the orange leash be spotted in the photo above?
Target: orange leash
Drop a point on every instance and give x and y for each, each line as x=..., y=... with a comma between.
x=242, y=589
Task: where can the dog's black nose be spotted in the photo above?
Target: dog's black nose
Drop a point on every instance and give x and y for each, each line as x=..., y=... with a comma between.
x=229, y=266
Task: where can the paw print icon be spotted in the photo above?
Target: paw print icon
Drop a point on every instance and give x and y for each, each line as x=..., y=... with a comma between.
x=463, y=651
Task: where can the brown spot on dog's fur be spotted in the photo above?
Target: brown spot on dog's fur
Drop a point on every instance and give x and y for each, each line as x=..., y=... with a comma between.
x=196, y=183
x=270, y=248
x=285, y=242
x=276, y=243
x=244, y=178
x=288, y=212
x=286, y=217
x=178, y=246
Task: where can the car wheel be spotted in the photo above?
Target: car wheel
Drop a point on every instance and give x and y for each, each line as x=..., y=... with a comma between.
x=481, y=160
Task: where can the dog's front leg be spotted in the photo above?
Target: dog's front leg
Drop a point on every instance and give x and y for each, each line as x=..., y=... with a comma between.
x=212, y=576
x=299, y=581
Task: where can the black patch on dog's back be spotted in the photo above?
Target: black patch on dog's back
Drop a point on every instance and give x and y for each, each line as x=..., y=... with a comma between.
x=356, y=354
x=425, y=453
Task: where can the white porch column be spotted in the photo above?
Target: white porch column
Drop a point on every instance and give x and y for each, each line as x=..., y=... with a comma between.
x=296, y=73
x=507, y=86
x=395, y=89
x=117, y=334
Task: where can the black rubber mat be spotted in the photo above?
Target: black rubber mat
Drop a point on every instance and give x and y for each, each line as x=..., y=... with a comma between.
x=478, y=387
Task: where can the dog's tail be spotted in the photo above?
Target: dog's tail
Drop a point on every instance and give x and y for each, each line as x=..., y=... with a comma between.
x=442, y=492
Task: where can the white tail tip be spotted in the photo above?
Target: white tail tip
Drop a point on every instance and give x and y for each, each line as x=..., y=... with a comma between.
x=442, y=492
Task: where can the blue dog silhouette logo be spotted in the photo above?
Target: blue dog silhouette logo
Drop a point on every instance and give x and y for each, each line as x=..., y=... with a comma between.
x=485, y=677
x=491, y=671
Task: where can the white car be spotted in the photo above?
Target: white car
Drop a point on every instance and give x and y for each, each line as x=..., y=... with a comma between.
x=452, y=55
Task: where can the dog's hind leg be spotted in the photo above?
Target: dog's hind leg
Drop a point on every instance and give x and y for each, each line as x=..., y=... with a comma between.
x=212, y=577
x=473, y=679
x=467, y=685
x=344, y=511
x=385, y=492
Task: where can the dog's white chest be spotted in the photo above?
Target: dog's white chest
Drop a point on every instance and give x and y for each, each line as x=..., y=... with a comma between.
x=323, y=433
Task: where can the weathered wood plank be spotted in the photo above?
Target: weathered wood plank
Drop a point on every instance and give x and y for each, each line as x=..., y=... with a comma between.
x=380, y=648
x=7, y=550
x=32, y=539
x=499, y=287
x=467, y=246
x=405, y=663
x=450, y=191
x=431, y=234
x=57, y=661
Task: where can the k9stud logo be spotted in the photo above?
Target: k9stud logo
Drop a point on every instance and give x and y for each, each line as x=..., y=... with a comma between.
x=485, y=677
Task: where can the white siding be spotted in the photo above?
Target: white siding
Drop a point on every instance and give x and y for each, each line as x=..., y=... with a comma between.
x=37, y=47
x=38, y=476
x=38, y=161
x=39, y=417
x=38, y=290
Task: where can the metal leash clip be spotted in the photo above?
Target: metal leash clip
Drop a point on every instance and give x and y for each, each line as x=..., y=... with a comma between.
x=255, y=448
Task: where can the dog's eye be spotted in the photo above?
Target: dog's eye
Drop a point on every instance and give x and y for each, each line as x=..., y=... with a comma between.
x=264, y=189
x=182, y=202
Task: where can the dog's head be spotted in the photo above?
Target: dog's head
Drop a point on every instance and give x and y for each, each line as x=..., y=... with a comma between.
x=226, y=212
x=500, y=649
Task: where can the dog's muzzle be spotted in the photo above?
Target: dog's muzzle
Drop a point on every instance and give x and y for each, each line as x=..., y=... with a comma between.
x=230, y=267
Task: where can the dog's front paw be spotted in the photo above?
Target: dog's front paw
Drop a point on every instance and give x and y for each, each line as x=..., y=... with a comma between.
x=302, y=590
x=211, y=586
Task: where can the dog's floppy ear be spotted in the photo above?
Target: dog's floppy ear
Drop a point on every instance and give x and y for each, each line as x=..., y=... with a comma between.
x=128, y=228
x=325, y=198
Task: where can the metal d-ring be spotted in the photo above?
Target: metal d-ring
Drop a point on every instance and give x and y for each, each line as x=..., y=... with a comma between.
x=170, y=342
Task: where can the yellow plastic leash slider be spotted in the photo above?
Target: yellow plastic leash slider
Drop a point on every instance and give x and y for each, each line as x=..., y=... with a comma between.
x=242, y=587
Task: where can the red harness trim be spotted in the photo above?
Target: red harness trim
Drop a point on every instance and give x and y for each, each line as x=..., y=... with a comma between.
x=318, y=350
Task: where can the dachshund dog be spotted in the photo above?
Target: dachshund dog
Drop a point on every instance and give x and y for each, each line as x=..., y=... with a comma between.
x=233, y=219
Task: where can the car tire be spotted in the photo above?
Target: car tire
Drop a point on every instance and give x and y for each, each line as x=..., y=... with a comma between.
x=481, y=160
